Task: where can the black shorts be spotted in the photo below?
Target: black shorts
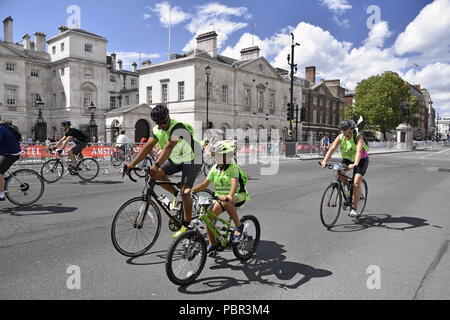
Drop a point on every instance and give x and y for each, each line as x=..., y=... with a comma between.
x=189, y=171
x=361, y=168
x=6, y=161
x=78, y=147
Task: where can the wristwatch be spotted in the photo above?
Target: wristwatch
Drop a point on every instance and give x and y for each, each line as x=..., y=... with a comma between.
x=157, y=165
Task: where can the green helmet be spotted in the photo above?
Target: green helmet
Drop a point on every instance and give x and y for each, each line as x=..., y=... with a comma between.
x=224, y=147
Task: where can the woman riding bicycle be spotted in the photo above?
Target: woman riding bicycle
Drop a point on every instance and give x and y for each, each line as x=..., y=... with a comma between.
x=354, y=155
x=230, y=188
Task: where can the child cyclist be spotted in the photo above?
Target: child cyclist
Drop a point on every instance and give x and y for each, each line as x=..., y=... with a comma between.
x=229, y=183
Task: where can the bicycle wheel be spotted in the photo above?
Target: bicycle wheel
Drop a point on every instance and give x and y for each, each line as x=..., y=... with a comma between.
x=186, y=258
x=143, y=165
x=245, y=248
x=52, y=170
x=24, y=187
x=363, y=197
x=116, y=158
x=88, y=169
x=330, y=205
x=133, y=238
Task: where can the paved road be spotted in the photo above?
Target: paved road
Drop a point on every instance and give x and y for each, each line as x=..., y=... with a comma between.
x=405, y=235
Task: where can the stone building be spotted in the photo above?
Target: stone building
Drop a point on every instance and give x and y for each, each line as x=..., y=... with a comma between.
x=244, y=94
x=72, y=75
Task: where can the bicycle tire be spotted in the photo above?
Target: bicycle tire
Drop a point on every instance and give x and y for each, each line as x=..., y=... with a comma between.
x=366, y=193
x=52, y=165
x=84, y=166
x=190, y=236
x=147, y=162
x=335, y=188
x=235, y=246
x=114, y=239
x=12, y=177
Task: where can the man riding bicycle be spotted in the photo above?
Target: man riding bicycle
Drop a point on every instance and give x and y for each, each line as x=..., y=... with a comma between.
x=9, y=153
x=354, y=153
x=180, y=152
x=75, y=135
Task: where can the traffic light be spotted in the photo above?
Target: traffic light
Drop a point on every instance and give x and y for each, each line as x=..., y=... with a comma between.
x=302, y=114
x=290, y=112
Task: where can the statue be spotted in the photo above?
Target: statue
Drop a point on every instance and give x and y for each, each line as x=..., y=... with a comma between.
x=405, y=112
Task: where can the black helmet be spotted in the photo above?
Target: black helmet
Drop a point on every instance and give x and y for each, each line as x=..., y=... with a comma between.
x=347, y=124
x=159, y=113
x=66, y=123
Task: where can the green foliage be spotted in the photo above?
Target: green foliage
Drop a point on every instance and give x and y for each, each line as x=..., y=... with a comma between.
x=377, y=100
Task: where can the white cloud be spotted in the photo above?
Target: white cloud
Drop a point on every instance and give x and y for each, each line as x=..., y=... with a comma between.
x=129, y=57
x=215, y=17
x=167, y=16
x=345, y=23
x=428, y=34
x=337, y=6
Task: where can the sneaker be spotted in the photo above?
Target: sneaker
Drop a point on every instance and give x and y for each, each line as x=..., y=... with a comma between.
x=211, y=250
x=175, y=204
x=354, y=213
x=240, y=231
x=179, y=232
x=2, y=198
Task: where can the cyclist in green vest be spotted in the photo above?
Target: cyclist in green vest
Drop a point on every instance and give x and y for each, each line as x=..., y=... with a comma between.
x=180, y=152
x=230, y=185
x=354, y=152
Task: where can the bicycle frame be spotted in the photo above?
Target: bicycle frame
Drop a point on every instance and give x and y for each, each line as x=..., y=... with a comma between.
x=207, y=217
x=10, y=175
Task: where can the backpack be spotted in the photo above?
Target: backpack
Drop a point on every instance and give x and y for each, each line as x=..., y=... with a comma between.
x=243, y=178
x=14, y=131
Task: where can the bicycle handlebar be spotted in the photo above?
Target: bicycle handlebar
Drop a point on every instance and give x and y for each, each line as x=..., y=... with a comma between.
x=333, y=166
x=127, y=171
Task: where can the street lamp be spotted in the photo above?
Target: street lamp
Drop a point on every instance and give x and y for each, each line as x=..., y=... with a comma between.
x=290, y=59
x=41, y=127
x=92, y=124
x=208, y=72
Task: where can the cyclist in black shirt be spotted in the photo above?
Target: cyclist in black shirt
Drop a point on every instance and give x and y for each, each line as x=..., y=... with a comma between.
x=75, y=135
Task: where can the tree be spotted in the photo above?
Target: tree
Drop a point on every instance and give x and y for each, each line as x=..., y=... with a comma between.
x=377, y=100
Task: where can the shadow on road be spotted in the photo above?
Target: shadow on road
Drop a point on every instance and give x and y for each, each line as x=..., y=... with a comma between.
x=147, y=259
x=99, y=182
x=268, y=267
x=38, y=209
x=382, y=221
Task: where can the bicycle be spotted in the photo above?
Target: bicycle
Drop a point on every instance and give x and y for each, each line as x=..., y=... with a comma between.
x=335, y=192
x=53, y=170
x=187, y=254
x=120, y=155
x=128, y=234
x=22, y=183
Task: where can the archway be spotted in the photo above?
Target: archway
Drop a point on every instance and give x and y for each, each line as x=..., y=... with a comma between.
x=141, y=130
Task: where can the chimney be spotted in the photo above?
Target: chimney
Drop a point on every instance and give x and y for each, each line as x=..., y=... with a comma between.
x=39, y=38
x=8, y=29
x=208, y=42
x=310, y=74
x=134, y=66
x=26, y=42
x=146, y=62
x=250, y=53
x=120, y=64
x=62, y=29
x=113, y=61
x=32, y=46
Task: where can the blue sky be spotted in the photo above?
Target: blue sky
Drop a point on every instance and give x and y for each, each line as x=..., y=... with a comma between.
x=334, y=34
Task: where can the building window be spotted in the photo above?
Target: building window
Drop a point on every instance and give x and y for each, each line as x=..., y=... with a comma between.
x=88, y=47
x=112, y=78
x=54, y=101
x=315, y=100
x=54, y=50
x=127, y=100
x=62, y=46
x=63, y=99
x=54, y=73
x=11, y=97
x=149, y=95
x=181, y=91
x=315, y=116
x=61, y=71
x=225, y=93
x=272, y=103
x=133, y=82
x=88, y=73
x=34, y=98
x=137, y=98
x=303, y=98
x=164, y=92
x=112, y=102
x=35, y=73
x=260, y=99
x=248, y=98
x=87, y=98
x=11, y=67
